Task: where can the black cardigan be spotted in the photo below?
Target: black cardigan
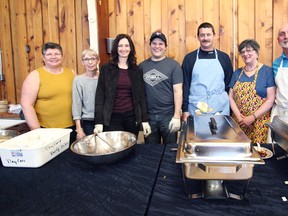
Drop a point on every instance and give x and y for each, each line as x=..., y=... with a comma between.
x=106, y=92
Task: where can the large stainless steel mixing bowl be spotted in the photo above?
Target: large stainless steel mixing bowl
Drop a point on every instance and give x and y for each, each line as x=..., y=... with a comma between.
x=105, y=148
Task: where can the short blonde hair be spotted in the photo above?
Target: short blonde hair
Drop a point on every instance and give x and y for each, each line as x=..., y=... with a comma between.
x=90, y=52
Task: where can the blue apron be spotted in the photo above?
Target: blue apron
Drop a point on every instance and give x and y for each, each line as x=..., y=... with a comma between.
x=207, y=85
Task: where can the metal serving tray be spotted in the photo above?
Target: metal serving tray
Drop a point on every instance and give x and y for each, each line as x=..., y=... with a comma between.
x=215, y=138
x=209, y=171
x=213, y=148
x=279, y=131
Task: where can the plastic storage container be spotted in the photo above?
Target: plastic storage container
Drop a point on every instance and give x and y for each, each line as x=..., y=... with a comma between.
x=34, y=148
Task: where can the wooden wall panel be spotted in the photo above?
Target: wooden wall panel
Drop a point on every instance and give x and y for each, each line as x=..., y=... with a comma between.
x=130, y=18
x=234, y=21
x=263, y=30
x=147, y=29
x=121, y=25
x=138, y=13
x=50, y=21
x=67, y=32
x=182, y=44
x=156, y=11
x=227, y=39
x=103, y=33
x=165, y=13
x=191, y=23
x=112, y=8
x=26, y=25
x=7, y=86
x=188, y=32
x=34, y=32
x=173, y=27
x=19, y=44
x=81, y=24
x=211, y=15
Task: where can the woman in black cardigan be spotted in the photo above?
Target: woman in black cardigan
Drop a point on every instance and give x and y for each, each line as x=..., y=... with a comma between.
x=120, y=103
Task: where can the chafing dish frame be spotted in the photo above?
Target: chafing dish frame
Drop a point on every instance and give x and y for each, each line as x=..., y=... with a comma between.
x=213, y=189
x=279, y=136
x=209, y=190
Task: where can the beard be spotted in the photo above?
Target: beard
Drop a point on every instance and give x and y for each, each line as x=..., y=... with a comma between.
x=284, y=44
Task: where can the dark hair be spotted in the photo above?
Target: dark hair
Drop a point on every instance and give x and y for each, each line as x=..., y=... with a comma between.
x=249, y=43
x=206, y=25
x=132, y=60
x=51, y=45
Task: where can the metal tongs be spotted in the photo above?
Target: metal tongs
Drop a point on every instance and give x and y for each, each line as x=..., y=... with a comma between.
x=96, y=135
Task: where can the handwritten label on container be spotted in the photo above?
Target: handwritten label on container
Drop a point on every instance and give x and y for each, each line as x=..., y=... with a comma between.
x=53, y=149
x=56, y=147
x=16, y=161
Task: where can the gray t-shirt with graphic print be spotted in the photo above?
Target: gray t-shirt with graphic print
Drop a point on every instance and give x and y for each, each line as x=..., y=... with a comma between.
x=159, y=78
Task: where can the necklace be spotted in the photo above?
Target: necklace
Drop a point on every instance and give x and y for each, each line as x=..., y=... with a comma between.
x=250, y=70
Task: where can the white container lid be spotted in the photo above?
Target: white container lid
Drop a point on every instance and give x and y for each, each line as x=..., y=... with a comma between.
x=35, y=139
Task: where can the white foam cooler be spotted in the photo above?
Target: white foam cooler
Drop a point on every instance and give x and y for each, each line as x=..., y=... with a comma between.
x=34, y=148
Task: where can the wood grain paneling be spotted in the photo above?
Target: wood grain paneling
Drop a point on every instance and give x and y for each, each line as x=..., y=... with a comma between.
x=147, y=29
x=66, y=11
x=156, y=11
x=103, y=33
x=263, y=30
x=50, y=21
x=34, y=32
x=26, y=25
x=8, y=85
x=112, y=11
x=234, y=21
x=138, y=14
x=19, y=44
x=227, y=39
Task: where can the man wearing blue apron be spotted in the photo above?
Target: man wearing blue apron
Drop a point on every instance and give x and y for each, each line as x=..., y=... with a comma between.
x=207, y=73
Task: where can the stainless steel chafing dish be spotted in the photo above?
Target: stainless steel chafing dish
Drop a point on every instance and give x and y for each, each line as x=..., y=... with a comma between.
x=279, y=133
x=213, y=148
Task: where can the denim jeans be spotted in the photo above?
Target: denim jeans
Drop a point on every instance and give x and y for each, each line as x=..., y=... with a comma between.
x=160, y=130
x=73, y=134
x=88, y=126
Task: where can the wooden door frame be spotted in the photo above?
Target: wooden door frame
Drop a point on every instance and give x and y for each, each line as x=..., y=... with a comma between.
x=103, y=30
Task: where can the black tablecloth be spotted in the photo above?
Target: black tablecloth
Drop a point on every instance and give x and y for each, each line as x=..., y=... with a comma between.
x=68, y=185
x=263, y=196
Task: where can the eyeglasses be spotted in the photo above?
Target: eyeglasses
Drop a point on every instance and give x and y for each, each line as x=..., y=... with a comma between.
x=249, y=51
x=89, y=59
